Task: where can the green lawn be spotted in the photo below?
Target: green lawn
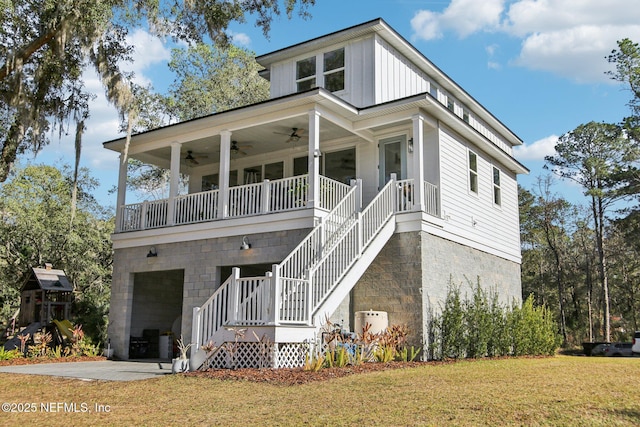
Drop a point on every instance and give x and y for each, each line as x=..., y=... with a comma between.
x=562, y=390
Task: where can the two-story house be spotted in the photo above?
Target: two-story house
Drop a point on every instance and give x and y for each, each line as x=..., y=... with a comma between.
x=368, y=181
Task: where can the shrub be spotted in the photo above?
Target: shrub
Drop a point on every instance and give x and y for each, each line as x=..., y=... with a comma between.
x=481, y=326
x=452, y=330
x=10, y=354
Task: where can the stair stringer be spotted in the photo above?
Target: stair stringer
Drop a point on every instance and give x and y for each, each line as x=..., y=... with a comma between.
x=351, y=277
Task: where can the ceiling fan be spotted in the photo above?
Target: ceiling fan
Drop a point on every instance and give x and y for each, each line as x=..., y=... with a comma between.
x=193, y=158
x=239, y=149
x=294, y=136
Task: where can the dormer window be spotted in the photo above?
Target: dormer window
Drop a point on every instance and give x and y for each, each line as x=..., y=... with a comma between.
x=306, y=74
x=334, y=70
x=325, y=70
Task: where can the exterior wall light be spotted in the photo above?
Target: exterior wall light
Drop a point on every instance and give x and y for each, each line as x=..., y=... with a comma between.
x=152, y=252
x=410, y=145
x=245, y=244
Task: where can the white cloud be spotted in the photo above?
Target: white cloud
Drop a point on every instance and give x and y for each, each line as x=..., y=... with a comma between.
x=537, y=150
x=149, y=51
x=461, y=16
x=241, y=39
x=570, y=38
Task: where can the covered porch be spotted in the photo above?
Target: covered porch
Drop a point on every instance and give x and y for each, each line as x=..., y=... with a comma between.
x=293, y=153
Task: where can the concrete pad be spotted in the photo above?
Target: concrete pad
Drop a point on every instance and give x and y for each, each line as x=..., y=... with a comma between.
x=108, y=370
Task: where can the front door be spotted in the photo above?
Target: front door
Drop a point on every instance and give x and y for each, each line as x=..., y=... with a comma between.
x=393, y=158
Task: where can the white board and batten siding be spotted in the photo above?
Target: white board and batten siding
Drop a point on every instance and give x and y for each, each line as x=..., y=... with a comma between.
x=395, y=76
x=473, y=219
x=359, y=80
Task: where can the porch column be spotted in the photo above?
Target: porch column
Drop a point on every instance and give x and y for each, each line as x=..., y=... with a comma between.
x=313, y=196
x=174, y=181
x=223, y=174
x=418, y=162
x=122, y=190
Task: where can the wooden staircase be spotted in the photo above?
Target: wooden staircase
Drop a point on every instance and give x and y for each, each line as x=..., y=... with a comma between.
x=291, y=302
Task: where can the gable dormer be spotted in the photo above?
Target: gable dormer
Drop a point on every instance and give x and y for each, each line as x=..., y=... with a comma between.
x=342, y=62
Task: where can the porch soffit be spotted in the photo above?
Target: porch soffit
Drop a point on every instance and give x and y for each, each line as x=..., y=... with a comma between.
x=378, y=117
x=259, y=128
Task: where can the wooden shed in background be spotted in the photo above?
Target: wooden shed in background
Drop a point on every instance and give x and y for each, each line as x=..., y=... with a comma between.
x=46, y=296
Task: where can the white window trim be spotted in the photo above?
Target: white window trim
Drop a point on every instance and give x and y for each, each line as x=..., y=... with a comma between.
x=320, y=74
x=311, y=77
x=496, y=186
x=475, y=172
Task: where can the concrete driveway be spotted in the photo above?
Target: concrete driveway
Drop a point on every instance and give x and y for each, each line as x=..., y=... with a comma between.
x=108, y=370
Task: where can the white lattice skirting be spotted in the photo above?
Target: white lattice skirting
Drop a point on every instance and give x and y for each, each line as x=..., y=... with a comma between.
x=259, y=355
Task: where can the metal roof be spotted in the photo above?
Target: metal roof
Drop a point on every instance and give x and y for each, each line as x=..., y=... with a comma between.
x=52, y=280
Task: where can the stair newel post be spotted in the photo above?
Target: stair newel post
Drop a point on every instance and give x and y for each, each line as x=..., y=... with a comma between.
x=357, y=183
x=309, y=299
x=394, y=193
x=266, y=297
x=323, y=236
x=275, y=284
x=196, y=327
x=235, y=296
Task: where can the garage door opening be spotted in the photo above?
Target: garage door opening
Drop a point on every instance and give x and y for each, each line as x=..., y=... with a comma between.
x=156, y=311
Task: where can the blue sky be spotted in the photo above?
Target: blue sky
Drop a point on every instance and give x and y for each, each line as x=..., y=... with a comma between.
x=537, y=65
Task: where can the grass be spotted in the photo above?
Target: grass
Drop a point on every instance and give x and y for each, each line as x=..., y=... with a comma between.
x=563, y=390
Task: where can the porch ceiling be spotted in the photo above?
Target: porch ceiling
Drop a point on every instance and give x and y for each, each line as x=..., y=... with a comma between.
x=251, y=141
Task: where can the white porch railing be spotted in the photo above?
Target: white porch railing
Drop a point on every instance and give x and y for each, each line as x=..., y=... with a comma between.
x=245, y=200
x=196, y=207
x=431, y=199
x=405, y=196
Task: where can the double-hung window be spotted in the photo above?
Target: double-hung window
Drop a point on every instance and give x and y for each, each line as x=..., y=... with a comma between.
x=497, y=197
x=473, y=172
x=326, y=70
x=306, y=74
x=334, y=70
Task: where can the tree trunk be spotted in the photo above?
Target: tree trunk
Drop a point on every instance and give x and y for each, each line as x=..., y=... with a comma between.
x=10, y=149
x=598, y=217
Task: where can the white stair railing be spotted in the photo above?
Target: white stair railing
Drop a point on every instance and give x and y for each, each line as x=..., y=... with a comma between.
x=249, y=300
x=244, y=300
x=336, y=262
x=291, y=276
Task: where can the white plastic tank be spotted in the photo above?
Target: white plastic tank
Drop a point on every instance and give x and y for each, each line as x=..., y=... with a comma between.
x=378, y=320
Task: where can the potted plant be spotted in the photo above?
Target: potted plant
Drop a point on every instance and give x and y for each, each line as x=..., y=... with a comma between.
x=181, y=363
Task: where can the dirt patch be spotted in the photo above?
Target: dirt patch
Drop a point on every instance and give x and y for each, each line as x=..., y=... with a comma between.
x=295, y=376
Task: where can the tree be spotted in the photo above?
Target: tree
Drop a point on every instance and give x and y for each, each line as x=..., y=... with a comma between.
x=36, y=227
x=591, y=155
x=210, y=80
x=45, y=45
x=627, y=62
